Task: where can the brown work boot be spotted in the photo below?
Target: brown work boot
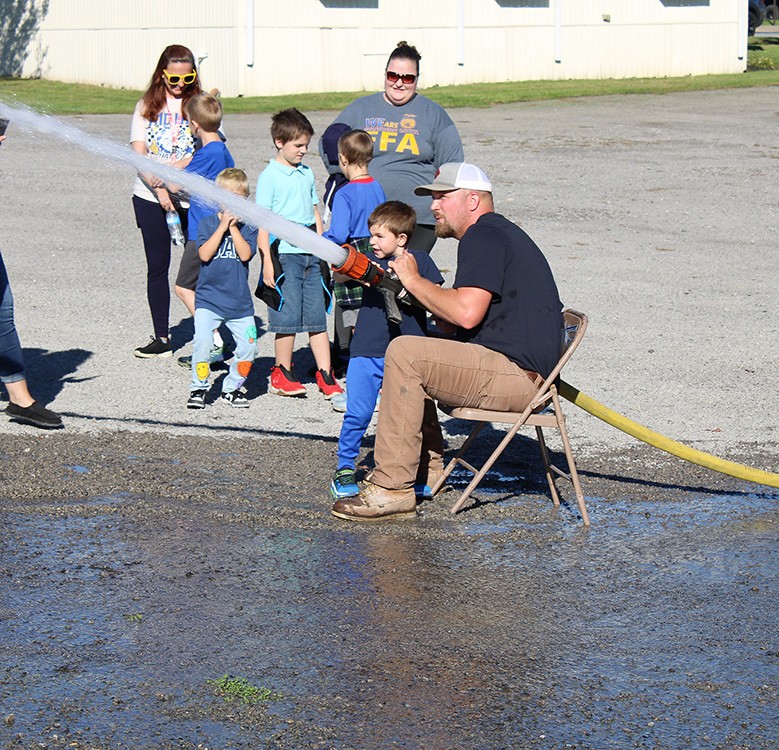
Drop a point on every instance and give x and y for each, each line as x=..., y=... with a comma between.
x=375, y=503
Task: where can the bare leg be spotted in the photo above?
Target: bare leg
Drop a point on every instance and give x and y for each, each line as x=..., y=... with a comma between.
x=320, y=346
x=284, y=346
x=187, y=296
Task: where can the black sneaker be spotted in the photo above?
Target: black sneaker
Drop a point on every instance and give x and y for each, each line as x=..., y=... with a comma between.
x=35, y=414
x=236, y=399
x=155, y=348
x=197, y=400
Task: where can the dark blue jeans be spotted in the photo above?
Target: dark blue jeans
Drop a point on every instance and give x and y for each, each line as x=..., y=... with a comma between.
x=11, y=362
x=150, y=218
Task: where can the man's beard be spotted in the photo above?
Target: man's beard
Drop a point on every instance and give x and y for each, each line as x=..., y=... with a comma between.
x=444, y=229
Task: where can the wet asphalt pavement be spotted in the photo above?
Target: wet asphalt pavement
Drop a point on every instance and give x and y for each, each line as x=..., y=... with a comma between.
x=147, y=550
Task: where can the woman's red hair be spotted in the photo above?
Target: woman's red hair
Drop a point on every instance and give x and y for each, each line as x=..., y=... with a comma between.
x=156, y=95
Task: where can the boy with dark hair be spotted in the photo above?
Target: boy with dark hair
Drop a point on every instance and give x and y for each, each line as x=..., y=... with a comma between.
x=287, y=188
x=391, y=226
x=204, y=112
x=225, y=246
x=352, y=205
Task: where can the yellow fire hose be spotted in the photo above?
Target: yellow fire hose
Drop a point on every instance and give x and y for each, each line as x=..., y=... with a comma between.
x=663, y=443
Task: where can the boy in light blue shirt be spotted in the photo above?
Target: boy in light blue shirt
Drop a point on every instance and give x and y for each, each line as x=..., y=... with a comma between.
x=287, y=188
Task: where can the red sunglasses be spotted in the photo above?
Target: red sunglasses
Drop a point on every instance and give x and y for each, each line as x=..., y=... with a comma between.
x=407, y=78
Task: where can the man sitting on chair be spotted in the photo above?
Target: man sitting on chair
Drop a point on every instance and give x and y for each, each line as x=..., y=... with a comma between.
x=505, y=314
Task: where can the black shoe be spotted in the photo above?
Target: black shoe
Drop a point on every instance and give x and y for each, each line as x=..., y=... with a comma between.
x=155, y=348
x=236, y=399
x=35, y=414
x=197, y=400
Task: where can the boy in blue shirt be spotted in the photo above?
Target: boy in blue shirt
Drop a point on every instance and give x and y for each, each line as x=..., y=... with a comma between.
x=225, y=246
x=391, y=226
x=287, y=188
x=352, y=205
x=204, y=113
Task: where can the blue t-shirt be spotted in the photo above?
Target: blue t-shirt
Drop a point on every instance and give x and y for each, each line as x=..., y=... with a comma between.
x=373, y=332
x=223, y=282
x=207, y=162
x=352, y=205
x=289, y=192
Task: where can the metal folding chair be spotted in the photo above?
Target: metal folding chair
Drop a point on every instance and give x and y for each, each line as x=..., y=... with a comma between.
x=543, y=411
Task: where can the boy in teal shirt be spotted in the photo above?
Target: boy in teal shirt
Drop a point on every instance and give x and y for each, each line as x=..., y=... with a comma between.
x=287, y=188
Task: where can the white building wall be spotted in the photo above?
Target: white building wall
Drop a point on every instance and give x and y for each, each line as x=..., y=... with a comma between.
x=297, y=46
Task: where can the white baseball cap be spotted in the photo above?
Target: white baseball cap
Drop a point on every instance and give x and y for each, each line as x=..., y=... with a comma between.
x=456, y=175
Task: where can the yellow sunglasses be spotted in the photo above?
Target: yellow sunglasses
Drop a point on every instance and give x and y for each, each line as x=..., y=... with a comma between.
x=175, y=80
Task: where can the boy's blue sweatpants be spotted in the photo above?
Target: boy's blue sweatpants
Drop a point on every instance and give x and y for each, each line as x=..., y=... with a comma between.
x=363, y=383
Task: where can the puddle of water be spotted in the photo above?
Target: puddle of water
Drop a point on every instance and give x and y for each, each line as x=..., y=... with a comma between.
x=522, y=629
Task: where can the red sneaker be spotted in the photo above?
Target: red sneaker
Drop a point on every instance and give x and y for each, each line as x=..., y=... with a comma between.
x=327, y=383
x=284, y=383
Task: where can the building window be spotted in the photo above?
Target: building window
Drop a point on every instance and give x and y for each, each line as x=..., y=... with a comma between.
x=350, y=3
x=523, y=3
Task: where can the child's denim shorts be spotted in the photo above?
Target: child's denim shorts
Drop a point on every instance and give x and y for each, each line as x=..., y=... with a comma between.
x=303, y=310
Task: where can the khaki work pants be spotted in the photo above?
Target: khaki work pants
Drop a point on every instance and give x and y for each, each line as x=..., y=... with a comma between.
x=419, y=370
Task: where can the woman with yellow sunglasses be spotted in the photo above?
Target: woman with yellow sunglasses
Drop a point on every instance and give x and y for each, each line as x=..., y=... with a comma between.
x=160, y=130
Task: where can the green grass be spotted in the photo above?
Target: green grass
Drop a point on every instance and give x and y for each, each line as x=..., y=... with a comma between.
x=59, y=98
x=762, y=54
x=237, y=688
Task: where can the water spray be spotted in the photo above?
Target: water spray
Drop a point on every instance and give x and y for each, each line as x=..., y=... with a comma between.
x=246, y=210
x=344, y=259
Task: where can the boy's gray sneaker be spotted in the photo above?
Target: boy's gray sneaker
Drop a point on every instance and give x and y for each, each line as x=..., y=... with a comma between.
x=338, y=402
x=197, y=400
x=236, y=399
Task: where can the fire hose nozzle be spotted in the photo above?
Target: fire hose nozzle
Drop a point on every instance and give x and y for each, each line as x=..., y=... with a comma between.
x=358, y=267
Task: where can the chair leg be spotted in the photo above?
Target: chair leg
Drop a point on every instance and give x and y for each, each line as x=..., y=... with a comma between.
x=487, y=466
x=577, y=487
x=450, y=466
x=549, y=473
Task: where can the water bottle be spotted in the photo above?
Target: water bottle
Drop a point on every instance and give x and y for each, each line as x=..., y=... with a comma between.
x=174, y=227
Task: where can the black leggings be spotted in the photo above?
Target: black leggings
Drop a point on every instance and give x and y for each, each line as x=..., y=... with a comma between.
x=150, y=218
